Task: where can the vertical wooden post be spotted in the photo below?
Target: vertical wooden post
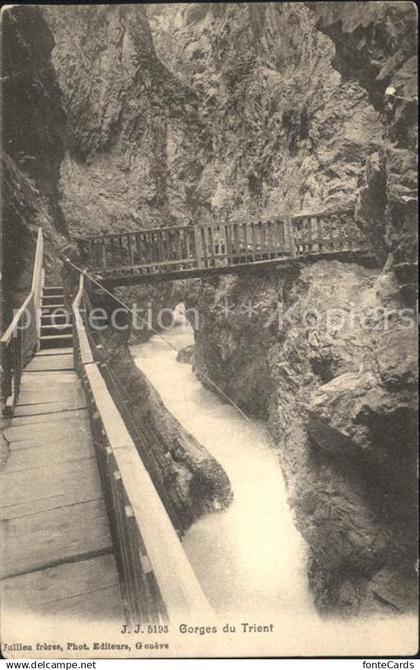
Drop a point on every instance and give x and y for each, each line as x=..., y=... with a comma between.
x=188, y=245
x=331, y=234
x=204, y=245
x=177, y=245
x=347, y=238
x=281, y=233
x=340, y=234
x=228, y=243
x=290, y=236
x=130, y=249
x=210, y=239
x=254, y=241
x=154, y=236
x=303, y=248
x=263, y=237
x=319, y=234
x=235, y=243
x=270, y=239
x=198, y=246
x=312, y=234
x=103, y=252
x=141, y=242
x=162, y=246
x=245, y=230
x=92, y=253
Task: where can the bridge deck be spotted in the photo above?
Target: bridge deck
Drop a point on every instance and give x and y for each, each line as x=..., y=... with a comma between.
x=132, y=275
x=57, y=557
x=200, y=250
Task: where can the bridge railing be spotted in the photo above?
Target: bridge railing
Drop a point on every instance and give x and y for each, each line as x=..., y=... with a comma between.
x=189, y=247
x=326, y=233
x=207, y=246
x=158, y=582
x=19, y=342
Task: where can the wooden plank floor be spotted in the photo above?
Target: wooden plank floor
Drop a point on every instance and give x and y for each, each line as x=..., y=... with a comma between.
x=57, y=553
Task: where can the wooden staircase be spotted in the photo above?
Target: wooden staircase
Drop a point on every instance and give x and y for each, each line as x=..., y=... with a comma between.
x=56, y=320
x=66, y=450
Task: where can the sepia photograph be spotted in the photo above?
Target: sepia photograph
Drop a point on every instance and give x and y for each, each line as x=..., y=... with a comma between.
x=209, y=330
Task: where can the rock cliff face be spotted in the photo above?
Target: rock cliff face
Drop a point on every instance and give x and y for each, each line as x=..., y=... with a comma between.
x=376, y=45
x=33, y=129
x=287, y=134
x=330, y=357
x=135, y=132
x=214, y=111
x=211, y=111
x=337, y=379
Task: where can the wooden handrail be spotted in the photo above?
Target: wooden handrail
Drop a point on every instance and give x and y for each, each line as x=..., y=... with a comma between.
x=38, y=278
x=139, y=231
x=208, y=247
x=20, y=340
x=35, y=288
x=326, y=213
x=177, y=591
x=38, y=263
x=180, y=590
x=212, y=224
x=82, y=338
x=11, y=328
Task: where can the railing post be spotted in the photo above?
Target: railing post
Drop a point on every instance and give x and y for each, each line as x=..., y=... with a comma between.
x=92, y=253
x=198, y=246
x=19, y=340
x=103, y=252
x=6, y=375
x=77, y=326
x=130, y=251
x=38, y=280
x=290, y=235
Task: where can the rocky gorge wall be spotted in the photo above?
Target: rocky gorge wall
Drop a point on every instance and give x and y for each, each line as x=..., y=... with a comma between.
x=376, y=45
x=33, y=132
x=214, y=111
x=329, y=357
x=288, y=135
x=134, y=130
x=337, y=380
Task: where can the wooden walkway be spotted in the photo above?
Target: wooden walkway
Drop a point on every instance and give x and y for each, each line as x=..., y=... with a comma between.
x=200, y=250
x=83, y=532
x=57, y=553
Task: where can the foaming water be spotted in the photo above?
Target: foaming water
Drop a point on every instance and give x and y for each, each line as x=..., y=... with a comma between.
x=250, y=554
x=250, y=558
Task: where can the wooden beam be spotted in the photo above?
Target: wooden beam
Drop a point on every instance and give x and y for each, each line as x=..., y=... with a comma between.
x=178, y=585
x=198, y=246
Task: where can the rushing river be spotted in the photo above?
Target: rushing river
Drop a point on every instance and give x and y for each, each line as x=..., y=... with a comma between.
x=250, y=557
x=251, y=554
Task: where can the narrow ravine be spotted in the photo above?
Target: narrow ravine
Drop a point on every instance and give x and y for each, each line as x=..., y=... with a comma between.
x=250, y=558
x=257, y=555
